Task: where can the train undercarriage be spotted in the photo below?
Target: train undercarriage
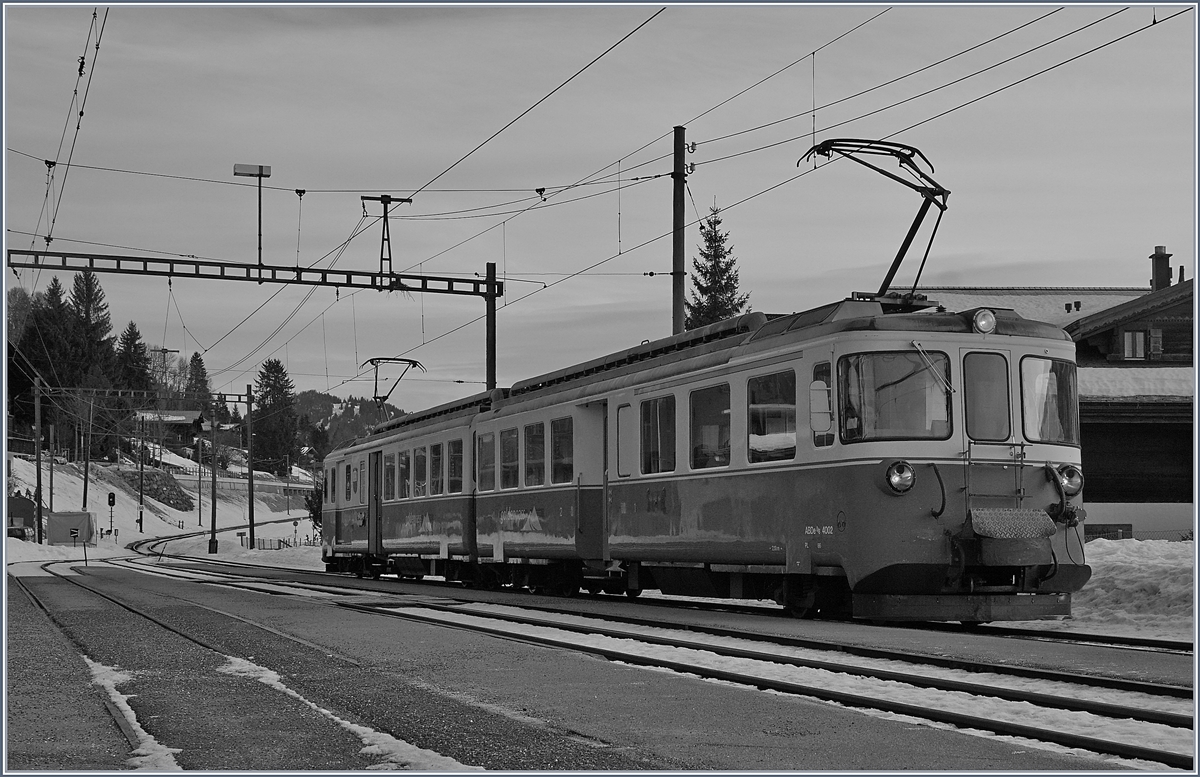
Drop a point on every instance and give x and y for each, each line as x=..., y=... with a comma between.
x=930, y=592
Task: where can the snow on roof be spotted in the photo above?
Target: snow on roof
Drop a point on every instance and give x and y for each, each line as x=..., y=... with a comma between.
x=1039, y=304
x=1113, y=382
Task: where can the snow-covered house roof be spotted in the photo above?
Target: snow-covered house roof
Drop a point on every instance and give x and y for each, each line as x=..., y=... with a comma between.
x=1054, y=305
x=1130, y=383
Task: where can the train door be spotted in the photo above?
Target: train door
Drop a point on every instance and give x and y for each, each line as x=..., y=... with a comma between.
x=374, y=477
x=590, y=478
x=995, y=454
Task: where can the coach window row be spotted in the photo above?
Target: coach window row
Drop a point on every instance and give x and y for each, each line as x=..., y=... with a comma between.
x=426, y=470
x=646, y=436
x=511, y=474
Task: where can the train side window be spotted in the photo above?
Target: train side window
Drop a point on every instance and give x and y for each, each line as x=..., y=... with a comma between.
x=485, y=460
x=402, y=476
x=435, y=469
x=658, y=435
x=820, y=405
x=771, y=417
x=710, y=427
x=349, y=470
x=454, y=467
x=535, y=454
x=510, y=462
x=627, y=441
x=389, y=476
x=325, y=487
x=360, y=482
x=331, y=485
x=985, y=395
x=419, y=471
x=562, y=450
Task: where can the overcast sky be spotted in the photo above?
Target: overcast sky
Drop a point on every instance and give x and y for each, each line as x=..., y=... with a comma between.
x=1068, y=178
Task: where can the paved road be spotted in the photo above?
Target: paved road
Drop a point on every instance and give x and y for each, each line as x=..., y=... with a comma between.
x=352, y=691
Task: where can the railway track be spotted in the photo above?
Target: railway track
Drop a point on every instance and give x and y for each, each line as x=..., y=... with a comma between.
x=1046, y=635
x=1118, y=717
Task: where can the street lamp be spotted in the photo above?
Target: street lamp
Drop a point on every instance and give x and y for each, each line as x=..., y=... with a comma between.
x=260, y=172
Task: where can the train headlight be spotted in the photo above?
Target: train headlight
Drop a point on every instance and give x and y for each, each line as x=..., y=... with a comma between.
x=984, y=322
x=1071, y=478
x=901, y=476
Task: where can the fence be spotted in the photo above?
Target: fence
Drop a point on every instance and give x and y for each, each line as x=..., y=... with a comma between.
x=1177, y=535
x=279, y=543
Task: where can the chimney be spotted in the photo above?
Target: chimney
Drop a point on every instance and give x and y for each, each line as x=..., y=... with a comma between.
x=1181, y=273
x=1078, y=304
x=1160, y=268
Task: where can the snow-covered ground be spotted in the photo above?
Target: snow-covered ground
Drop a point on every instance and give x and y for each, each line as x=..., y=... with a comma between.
x=1138, y=588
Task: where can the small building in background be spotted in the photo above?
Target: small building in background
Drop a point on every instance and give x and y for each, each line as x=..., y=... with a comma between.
x=1137, y=388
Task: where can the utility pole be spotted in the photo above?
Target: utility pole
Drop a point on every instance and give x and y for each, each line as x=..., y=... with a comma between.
x=37, y=443
x=212, y=538
x=491, y=325
x=677, y=250
x=141, y=469
x=250, y=456
x=51, y=489
x=87, y=455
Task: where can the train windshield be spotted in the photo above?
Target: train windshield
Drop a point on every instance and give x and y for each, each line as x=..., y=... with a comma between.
x=1049, y=400
x=894, y=396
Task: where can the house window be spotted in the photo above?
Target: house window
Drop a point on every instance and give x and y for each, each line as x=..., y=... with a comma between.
x=1135, y=345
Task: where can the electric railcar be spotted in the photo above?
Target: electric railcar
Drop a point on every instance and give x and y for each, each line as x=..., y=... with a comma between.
x=849, y=460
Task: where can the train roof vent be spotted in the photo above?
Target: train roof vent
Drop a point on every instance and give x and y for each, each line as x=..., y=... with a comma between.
x=729, y=328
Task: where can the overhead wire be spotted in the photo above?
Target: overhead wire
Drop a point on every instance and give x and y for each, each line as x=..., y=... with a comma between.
x=911, y=98
x=539, y=102
x=799, y=175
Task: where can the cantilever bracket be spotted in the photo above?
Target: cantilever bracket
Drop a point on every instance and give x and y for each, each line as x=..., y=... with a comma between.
x=375, y=362
x=931, y=192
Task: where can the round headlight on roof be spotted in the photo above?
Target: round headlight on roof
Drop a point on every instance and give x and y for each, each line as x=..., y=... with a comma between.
x=984, y=322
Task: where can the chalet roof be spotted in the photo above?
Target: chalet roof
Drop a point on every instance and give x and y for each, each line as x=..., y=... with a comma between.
x=1037, y=303
x=1140, y=307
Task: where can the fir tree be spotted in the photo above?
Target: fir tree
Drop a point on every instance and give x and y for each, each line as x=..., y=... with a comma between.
x=199, y=394
x=91, y=325
x=715, y=279
x=133, y=361
x=274, y=418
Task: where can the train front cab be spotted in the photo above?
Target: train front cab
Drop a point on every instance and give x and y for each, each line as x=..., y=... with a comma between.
x=976, y=518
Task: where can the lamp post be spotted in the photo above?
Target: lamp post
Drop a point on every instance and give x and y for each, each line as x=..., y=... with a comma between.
x=260, y=172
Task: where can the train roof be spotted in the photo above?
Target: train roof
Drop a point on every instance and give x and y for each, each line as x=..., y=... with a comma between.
x=860, y=312
x=728, y=333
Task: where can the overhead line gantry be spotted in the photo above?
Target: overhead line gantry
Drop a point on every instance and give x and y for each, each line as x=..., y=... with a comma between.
x=186, y=267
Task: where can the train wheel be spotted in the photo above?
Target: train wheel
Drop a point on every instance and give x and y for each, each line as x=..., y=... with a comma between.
x=633, y=593
x=568, y=590
x=804, y=613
